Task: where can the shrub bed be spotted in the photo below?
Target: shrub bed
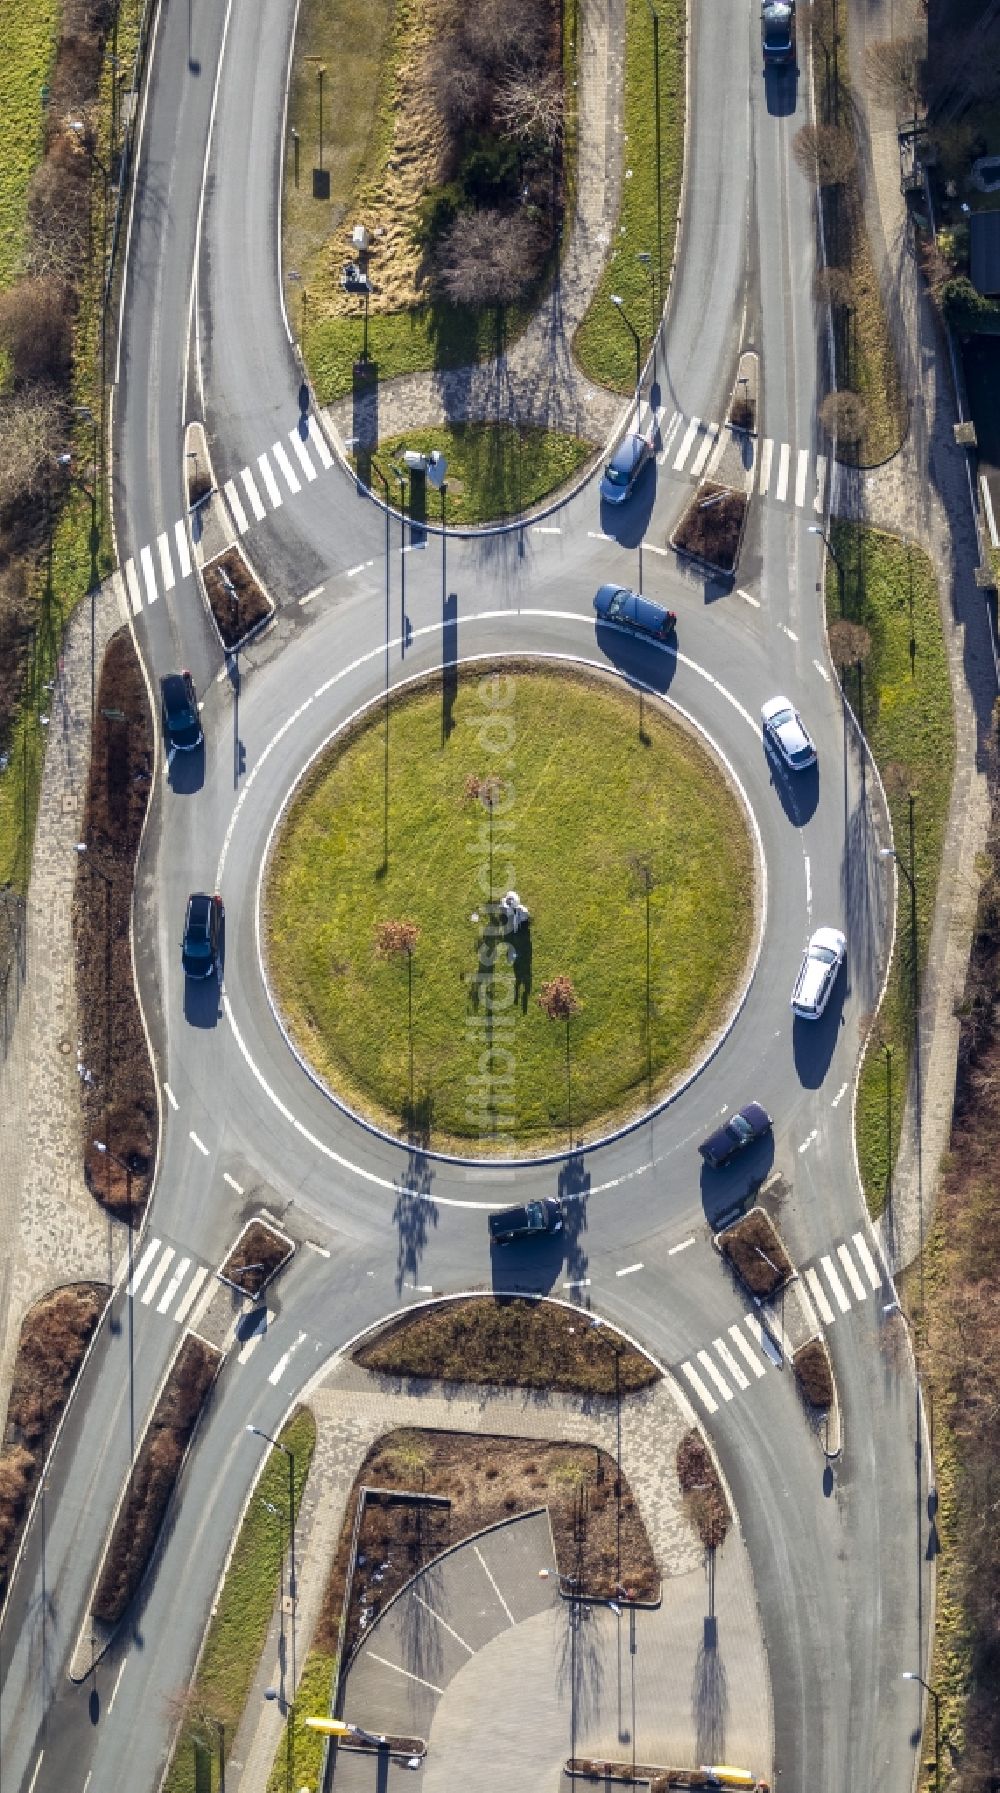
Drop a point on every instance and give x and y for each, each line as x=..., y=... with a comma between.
x=237, y=602
x=154, y=1477
x=748, y=1245
x=711, y=528
x=814, y=1373
x=257, y=1256
x=704, y=1496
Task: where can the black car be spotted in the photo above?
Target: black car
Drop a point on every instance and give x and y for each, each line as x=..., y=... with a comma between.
x=777, y=30
x=617, y=604
x=741, y=1129
x=200, y=948
x=534, y=1219
x=181, y=726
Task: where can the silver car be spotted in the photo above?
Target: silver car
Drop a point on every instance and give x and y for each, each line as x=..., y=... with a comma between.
x=785, y=731
x=821, y=962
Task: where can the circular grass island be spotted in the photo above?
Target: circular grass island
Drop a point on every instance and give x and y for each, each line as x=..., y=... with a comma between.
x=390, y=957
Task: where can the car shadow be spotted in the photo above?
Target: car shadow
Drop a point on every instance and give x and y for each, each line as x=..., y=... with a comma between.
x=202, y=1001
x=627, y=523
x=798, y=792
x=186, y=771
x=728, y=1192
x=814, y=1042
x=781, y=90
x=532, y=1265
x=638, y=657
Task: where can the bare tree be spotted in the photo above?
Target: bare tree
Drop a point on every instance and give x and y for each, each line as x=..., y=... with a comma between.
x=825, y=153
x=460, y=87
x=31, y=424
x=505, y=33
x=560, y=1002
x=36, y=328
x=530, y=105
x=895, y=71
x=850, y=643
x=398, y=939
x=489, y=257
x=834, y=286
x=844, y=415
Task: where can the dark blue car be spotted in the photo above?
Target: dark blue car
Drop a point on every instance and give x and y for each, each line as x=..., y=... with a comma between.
x=624, y=468
x=617, y=604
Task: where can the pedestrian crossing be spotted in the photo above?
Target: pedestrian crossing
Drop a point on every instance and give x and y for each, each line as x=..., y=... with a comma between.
x=692, y=446
x=838, y=1279
x=170, y=1283
x=158, y=567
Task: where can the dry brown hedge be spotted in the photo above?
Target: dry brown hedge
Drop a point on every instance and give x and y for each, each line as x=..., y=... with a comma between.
x=703, y=1493
x=711, y=528
x=814, y=1374
x=235, y=621
x=742, y=1245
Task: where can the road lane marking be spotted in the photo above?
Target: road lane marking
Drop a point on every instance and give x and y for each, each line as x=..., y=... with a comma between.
x=598, y=535
x=809, y=890
x=250, y=487
x=273, y=488
x=988, y=510
x=731, y=1364
x=38, y=1764
x=781, y=489
x=171, y=1098
x=582, y=1282
x=117, y=1684
x=173, y=1286
x=307, y=597
x=250, y=1343
x=628, y=1270
x=166, y=564
x=190, y=1294
x=674, y=1249
x=710, y=1405
x=183, y=551
x=149, y=576
x=283, y=1362
x=839, y=1292
x=868, y=1263
x=305, y=459
x=736, y=1334
x=716, y=1374
x=686, y=443
x=819, y=1296
x=443, y=1623
x=801, y=469
x=323, y=1251
x=158, y=1274
x=235, y=503
x=195, y=1141
x=820, y=483
x=143, y=1265
x=226, y=1178
x=839, y=1097
x=843, y=1253
x=766, y=451
x=821, y=669
x=281, y=456
x=807, y=1142
x=705, y=448
x=789, y=632
x=747, y=599
x=352, y=572
x=546, y=529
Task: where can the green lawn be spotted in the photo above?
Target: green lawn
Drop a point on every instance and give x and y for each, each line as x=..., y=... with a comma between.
x=582, y=797
x=305, y=1756
x=401, y=342
x=493, y=470
x=28, y=37
x=910, y=727
x=237, y=1632
x=604, y=345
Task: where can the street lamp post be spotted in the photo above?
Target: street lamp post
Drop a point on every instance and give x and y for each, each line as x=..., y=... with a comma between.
x=401, y=476
x=815, y=529
x=376, y=469
x=911, y=1675
x=292, y=1589
x=654, y=15
x=619, y=305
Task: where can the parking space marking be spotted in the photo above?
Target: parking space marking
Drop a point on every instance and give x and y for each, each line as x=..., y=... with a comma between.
x=403, y=1671
x=487, y=1571
x=443, y=1623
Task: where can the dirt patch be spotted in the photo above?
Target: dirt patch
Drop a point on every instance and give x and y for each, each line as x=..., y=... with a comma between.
x=657, y=1778
x=704, y=1497
x=155, y=1474
x=754, y=1250
x=397, y=1746
x=482, y=1480
x=515, y=1344
x=814, y=1373
x=238, y=604
x=54, y=1336
x=258, y=1255
x=711, y=528
x=116, y=1079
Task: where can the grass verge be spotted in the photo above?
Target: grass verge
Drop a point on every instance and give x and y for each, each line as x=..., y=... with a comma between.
x=238, y=1629
x=516, y=1344
x=494, y=469
x=28, y=36
x=587, y=808
x=603, y=344
x=905, y=695
x=306, y=1749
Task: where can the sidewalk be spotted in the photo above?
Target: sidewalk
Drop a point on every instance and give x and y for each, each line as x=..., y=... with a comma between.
x=536, y=381
x=698, y=1682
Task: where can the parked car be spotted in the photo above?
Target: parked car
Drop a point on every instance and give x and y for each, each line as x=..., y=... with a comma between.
x=777, y=31
x=533, y=1220
x=624, y=468
x=181, y=724
x=742, y=1128
x=785, y=731
x=617, y=604
x=202, y=942
x=821, y=962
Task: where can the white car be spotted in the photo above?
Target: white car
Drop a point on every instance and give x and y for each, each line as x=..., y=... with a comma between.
x=785, y=731
x=821, y=962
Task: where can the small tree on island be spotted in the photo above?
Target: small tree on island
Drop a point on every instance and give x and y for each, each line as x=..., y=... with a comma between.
x=561, y=1002
x=394, y=939
x=489, y=792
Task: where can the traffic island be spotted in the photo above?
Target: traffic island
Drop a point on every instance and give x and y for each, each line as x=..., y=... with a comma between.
x=704, y=1496
x=259, y=1253
x=814, y=1374
x=711, y=530
x=239, y=604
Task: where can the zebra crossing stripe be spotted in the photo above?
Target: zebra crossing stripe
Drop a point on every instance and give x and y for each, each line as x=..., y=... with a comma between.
x=819, y=1296
x=142, y=1266
x=318, y=441
x=731, y=1364
x=781, y=489
x=839, y=1292
x=801, y=470
x=273, y=488
x=766, y=452
x=717, y=1377
x=235, y=505
x=668, y=437
x=166, y=564
x=291, y=477
x=250, y=1345
x=158, y=1274
x=700, y=1390
x=132, y=581
x=718, y=451
x=853, y=1278
x=149, y=577
x=300, y=448
x=256, y=502
x=187, y=1300
x=705, y=448
x=687, y=443
x=868, y=1263
x=820, y=484
x=183, y=551
x=740, y=1342
x=173, y=1286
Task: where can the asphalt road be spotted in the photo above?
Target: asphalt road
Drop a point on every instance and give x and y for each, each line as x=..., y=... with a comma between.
x=840, y=1553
